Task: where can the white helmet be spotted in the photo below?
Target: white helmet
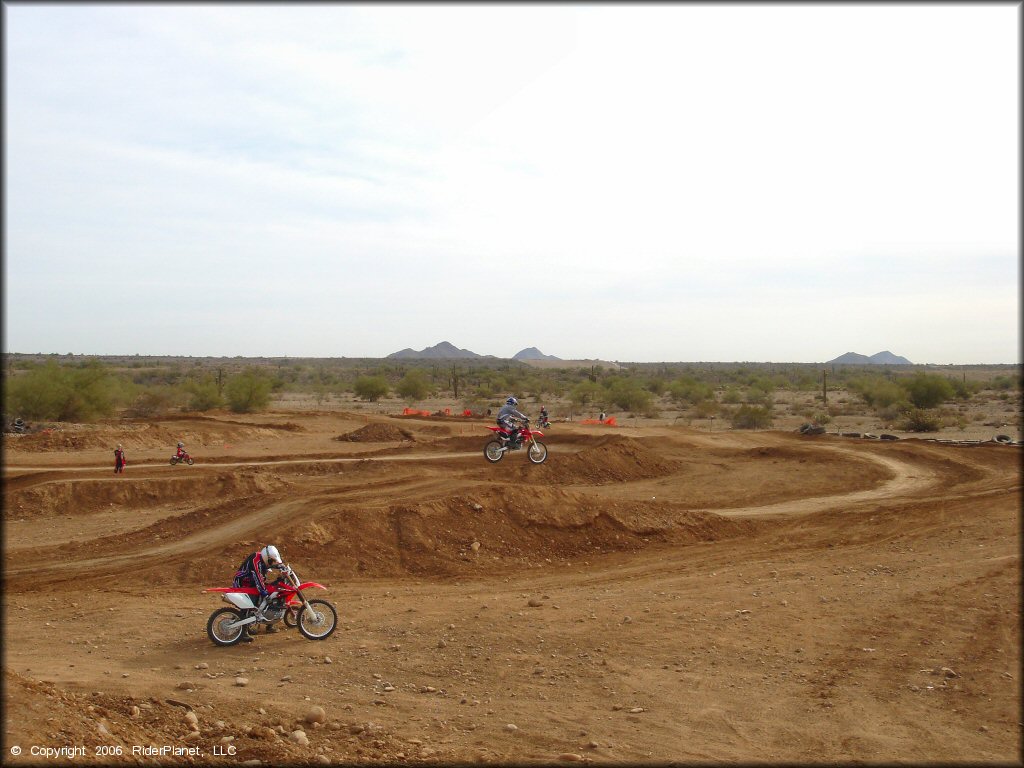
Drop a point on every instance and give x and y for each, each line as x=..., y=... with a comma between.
x=512, y=401
x=181, y=444
x=271, y=556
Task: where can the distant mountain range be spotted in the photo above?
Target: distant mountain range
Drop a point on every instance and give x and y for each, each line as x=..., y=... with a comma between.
x=879, y=358
x=448, y=351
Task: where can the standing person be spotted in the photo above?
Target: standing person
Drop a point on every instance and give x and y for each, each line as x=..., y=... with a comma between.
x=507, y=417
x=119, y=460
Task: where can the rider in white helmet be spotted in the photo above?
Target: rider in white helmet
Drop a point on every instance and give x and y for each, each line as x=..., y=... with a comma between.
x=253, y=572
x=507, y=417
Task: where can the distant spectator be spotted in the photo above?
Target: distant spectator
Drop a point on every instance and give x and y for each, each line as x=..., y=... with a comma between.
x=119, y=460
x=601, y=417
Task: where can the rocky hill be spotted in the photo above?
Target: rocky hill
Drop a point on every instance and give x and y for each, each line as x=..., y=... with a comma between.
x=879, y=358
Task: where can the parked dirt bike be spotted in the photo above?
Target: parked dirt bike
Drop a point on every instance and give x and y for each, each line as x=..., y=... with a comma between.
x=496, y=449
x=316, y=619
x=184, y=459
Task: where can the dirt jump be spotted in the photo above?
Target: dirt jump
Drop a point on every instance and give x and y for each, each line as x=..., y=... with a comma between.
x=648, y=594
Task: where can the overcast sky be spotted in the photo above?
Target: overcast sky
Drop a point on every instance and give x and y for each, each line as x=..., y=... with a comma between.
x=634, y=183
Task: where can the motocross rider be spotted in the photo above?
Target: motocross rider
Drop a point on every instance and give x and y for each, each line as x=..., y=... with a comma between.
x=253, y=573
x=181, y=450
x=507, y=417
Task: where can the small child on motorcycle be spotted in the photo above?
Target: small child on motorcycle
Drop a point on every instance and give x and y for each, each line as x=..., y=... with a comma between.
x=507, y=417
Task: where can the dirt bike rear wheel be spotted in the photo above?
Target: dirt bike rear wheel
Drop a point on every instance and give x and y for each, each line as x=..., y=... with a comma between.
x=321, y=624
x=291, y=618
x=493, y=452
x=217, y=630
x=174, y=460
x=538, y=452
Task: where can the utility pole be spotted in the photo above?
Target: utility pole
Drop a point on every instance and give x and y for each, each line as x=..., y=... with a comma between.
x=824, y=387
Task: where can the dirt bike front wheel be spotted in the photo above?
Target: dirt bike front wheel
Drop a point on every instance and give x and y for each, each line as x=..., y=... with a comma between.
x=189, y=461
x=538, y=452
x=317, y=620
x=493, y=452
x=218, y=630
x=291, y=618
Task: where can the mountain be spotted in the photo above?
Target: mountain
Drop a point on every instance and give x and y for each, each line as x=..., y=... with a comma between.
x=880, y=358
x=888, y=358
x=532, y=353
x=443, y=351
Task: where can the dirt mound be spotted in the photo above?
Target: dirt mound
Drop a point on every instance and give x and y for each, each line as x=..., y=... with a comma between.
x=608, y=459
x=76, y=497
x=512, y=530
x=376, y=433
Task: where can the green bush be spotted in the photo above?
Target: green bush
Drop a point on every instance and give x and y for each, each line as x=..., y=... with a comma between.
x=878, y=392
x=689, y=390
x=630, y=396
x=204, y=396
x=371, y=388
x=413, y=386
x=52, y=392
x=248, y=391
x=586, y=392
x=927, y=390
x=751, y=417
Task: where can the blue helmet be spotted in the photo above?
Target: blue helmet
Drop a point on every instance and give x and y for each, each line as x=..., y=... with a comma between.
x=512, y=401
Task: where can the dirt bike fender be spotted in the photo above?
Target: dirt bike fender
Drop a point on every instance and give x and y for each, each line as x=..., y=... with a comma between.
x=309, y=584
x=239, y=600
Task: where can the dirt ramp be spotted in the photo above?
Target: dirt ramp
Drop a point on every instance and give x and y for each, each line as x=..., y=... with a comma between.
x=500, y=529
x=376, y=433
x=608, y=459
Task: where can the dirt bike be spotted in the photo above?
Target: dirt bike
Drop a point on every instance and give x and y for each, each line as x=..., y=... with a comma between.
x=316, y=619
x=496, y=449
x=184, y=459
x=544, y=422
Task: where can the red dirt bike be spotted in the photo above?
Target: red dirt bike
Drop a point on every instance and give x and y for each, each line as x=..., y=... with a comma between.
x=496, y=449
x=184, y=458
x=316, y=619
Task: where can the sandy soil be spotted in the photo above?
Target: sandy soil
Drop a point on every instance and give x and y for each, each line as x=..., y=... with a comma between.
x=651, y=593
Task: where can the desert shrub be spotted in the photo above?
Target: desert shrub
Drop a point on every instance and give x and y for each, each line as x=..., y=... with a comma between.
x=585, y=393
x=689, y=390
x=630, y=396
x=758, y=396
x=57, y=393
x=247, y=391
x=153, y=402
x=731, y=396
x=751, y=417
x=706, y=409
x=822, y=418
x=204, y=396
x=413, y=386
x=927, y=390
x=920, y=420
x=878, y=392
x=371, y=388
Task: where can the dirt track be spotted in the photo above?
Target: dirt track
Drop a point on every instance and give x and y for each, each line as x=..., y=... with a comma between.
x=650, y=594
